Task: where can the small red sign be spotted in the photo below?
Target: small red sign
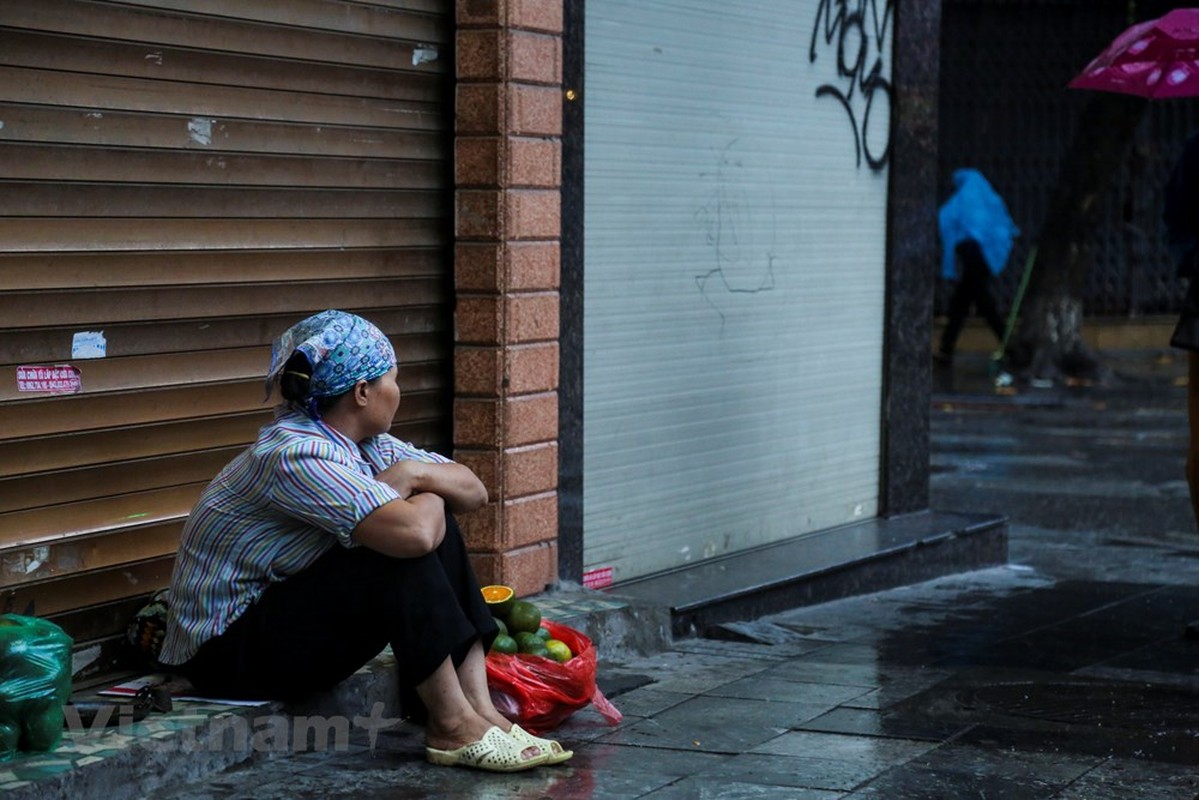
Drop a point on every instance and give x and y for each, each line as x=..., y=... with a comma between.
x=59, y=379
x=597, y=578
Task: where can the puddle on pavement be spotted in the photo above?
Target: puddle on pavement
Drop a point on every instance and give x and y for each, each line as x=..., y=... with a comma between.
x=1012, y=660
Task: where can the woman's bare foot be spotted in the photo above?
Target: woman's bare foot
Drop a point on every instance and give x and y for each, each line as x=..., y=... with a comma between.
x=495, y=718
x=450, y=735
x=454, y=720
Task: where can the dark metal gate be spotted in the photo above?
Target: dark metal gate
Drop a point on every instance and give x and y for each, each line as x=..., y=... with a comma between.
x=1005, y=109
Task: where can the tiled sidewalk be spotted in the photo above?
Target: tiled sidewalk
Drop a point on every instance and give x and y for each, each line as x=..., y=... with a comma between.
x=127, y=760
x=1003, y=684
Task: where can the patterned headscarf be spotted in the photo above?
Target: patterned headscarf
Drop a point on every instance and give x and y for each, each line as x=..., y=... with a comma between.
x=976, y=211
x=343, y=349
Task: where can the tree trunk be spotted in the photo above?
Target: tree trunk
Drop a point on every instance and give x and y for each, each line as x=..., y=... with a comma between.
x=1048, y=343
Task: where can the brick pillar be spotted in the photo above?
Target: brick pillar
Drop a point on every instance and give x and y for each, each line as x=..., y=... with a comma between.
x=507, y=174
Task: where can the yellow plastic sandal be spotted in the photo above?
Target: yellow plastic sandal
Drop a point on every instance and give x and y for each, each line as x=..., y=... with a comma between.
x=556, y=753
x=495, y=752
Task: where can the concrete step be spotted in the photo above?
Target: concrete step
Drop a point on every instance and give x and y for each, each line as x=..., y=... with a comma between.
x=877, y=554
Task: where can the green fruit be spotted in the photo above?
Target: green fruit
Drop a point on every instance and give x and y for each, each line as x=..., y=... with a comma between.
x=524, y=616
x=544, y=633
x=559, y=650
x=504, y=644
x=525, y=640
x=538, y=650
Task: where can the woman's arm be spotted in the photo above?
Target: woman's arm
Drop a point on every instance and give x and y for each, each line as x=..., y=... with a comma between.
x=461, y=489
x=404, y=528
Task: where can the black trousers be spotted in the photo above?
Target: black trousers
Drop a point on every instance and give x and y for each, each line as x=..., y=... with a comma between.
x=973, y=289
x=312, y=630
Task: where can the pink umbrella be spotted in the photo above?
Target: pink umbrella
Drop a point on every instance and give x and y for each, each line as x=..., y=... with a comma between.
x=1156, y=59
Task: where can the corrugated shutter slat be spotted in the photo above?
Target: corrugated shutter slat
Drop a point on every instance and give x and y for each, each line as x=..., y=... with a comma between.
x=190, y=177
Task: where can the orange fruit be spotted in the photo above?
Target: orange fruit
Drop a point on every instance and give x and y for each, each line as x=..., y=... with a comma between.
x=499, y=599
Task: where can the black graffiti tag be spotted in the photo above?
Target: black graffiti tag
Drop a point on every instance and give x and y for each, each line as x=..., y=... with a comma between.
x=860, y=33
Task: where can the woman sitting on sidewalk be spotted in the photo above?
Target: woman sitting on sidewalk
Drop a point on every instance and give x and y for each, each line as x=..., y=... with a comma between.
x=328, y=539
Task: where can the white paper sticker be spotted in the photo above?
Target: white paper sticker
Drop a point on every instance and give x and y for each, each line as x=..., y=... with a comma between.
x=57, y=379
x=199, y=130
x=89, y=344
x=423, y=55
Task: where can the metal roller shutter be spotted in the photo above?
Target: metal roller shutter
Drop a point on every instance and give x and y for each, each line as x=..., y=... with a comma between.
x=735, y=238
x=189, y=177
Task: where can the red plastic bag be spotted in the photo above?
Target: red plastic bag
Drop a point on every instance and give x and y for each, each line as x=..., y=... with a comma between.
x=539, y=693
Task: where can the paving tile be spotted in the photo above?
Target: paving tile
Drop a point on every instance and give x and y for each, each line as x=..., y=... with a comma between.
x=697, y=789
x=618, y=757
x=692, y=673
x=845, y=653
x=914, y=783
x=647, y=701
x=770, y=688
x=1054, y=768
x=1173, y=655
x=873, y=699
x=898, y=687
x=621, y=772
x=1177, y=747
x=1137, y=779
x=756, y=651
x=596, y=785
x=587, y=725
x=798, y=772
x=827, y=628
x=712, y=724
x=804, y=670
x=868, y=722
x=870, y=751
x=1057, y=649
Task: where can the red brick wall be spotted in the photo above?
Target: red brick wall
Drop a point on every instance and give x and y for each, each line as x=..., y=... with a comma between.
x=507, y=171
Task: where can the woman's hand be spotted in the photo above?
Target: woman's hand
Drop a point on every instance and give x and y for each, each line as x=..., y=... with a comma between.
x=457, y=485
x=403, y=476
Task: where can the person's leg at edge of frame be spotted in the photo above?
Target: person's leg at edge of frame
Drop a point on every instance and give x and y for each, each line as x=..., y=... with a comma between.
x=1192, y=467
x=1192, y=464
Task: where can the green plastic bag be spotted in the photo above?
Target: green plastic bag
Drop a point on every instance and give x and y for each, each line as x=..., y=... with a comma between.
x=35, y=683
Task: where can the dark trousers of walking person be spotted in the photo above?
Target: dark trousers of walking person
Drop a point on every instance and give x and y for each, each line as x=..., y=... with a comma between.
x=973, y=289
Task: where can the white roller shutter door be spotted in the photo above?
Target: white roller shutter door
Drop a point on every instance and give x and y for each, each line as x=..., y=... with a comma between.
x=734, y=280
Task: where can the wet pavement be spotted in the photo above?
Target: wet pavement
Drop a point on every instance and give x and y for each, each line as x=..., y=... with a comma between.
x=1064, y=674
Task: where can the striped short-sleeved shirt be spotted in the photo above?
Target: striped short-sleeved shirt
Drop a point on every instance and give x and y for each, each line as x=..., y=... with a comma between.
x=300, y=489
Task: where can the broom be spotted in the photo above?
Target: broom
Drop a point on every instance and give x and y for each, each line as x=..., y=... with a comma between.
x=996, y=371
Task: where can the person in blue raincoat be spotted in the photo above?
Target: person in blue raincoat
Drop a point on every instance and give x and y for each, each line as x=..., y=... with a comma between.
x=976, y=233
